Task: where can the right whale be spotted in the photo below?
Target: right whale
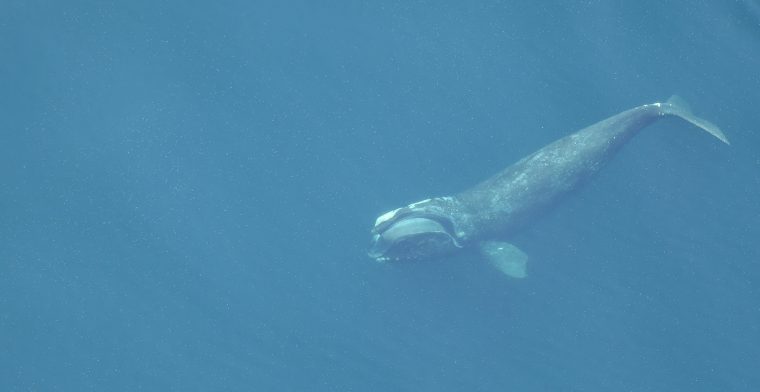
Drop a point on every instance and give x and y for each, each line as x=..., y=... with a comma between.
x=489, y=213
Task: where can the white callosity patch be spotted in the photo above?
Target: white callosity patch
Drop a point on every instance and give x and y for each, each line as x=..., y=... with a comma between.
x=444, y=207
x=386, y=217
x=419, y=203
x=392, y=214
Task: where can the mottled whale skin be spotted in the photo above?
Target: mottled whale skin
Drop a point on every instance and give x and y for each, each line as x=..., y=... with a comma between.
x=500, y=206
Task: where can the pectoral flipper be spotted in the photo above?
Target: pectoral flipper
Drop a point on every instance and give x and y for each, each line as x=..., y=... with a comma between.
x=507, y=258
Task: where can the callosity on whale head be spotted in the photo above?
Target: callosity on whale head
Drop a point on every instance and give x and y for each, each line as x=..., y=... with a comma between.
x=418, y=231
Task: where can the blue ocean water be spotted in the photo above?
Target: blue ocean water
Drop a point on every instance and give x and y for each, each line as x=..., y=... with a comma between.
x=187, y=188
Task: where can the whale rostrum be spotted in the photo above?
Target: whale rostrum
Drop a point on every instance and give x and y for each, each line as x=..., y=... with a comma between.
x=488, y=214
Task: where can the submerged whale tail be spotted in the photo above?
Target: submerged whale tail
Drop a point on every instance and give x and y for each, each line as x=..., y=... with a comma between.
x=676, y=106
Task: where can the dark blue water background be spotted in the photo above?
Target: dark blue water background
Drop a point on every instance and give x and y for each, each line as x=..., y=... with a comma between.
x=187, y=188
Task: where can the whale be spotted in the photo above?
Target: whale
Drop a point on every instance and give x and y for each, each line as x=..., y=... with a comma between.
x=487, y=216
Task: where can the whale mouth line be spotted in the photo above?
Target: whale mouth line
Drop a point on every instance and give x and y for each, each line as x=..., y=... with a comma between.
x=412, y=236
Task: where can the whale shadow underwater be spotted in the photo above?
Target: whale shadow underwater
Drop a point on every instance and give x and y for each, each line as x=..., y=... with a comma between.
x=487, y=215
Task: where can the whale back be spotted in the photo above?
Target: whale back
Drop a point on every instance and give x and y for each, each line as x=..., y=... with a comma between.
x=509, y=200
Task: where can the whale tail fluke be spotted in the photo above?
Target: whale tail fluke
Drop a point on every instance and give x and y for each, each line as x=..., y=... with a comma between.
x=676, y=106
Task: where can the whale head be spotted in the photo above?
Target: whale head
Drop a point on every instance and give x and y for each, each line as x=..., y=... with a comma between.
x=421, y=230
